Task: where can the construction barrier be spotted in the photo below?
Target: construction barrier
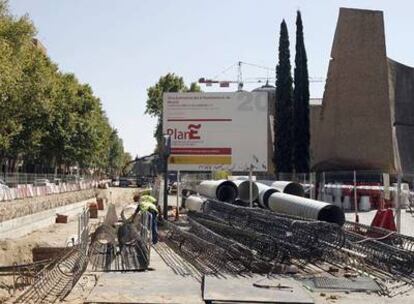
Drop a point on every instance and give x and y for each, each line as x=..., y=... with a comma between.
x=369, y=195
x=30, y=191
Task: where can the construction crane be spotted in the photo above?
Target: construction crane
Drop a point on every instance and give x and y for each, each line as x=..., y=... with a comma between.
x=240, y=82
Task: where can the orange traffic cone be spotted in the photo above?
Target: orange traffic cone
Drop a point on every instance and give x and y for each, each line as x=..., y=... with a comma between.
x=384, y=219
x=376, y=222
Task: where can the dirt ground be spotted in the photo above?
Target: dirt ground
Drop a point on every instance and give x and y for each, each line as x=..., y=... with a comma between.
x=57, y=235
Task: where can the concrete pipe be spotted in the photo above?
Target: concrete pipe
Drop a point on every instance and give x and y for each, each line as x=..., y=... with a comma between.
x=128, y=234
x=104, y=234
x=185, y=193
x=128, y=211
x=243, y=187
x=306, y=208
x=195, y=203
x=222, y=190
x=289, y=188
x=266, y=182
x=264, y=194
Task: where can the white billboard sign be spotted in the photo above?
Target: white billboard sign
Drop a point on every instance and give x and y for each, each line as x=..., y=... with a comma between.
x=217, y=131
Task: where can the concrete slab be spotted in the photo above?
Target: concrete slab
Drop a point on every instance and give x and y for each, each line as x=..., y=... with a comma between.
x=159, y=285
x=325, y=283
x=254, y=289
x=18, y=227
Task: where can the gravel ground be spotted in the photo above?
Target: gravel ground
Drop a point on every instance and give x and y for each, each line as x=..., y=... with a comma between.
x=57, y=235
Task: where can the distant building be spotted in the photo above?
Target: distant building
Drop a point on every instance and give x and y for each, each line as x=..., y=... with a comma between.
x=146, y=166
x=366, y=120
x=271, y=93
x=315, y=107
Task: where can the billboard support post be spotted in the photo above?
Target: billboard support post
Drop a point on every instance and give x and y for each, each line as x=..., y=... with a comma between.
x=165, y=199
x=251, y=185
x=167, y=148
x=356, y=198
x=398, y=205
x=177, y=214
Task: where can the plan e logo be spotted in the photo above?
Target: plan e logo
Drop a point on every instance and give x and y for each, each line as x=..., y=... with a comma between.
x=190, y=134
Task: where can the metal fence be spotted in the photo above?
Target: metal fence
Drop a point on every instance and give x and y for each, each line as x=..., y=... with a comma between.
x=24, y=191
x=57, y=279
x=19, y=178
x=358, y=193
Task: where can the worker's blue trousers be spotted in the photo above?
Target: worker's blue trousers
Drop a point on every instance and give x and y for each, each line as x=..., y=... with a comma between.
x=154, y=228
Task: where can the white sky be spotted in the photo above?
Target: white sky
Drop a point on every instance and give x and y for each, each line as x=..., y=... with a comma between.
x=123, y=47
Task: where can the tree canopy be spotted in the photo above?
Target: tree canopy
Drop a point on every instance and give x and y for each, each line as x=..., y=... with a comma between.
x=169, y=83
x=301, y=103
x=284, y=106
x=48, y=119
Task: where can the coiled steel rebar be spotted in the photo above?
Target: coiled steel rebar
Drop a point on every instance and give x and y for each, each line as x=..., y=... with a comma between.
x=53, y=284
x=312, y=236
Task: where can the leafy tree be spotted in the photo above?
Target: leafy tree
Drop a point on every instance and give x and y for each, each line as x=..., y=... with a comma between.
x=116, y=154
x=127, y=163
x=49, y=121
x=18, y=61
x=283, y=122
x=301, y=103
x=166, y=84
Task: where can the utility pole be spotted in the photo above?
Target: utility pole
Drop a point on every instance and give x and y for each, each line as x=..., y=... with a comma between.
x=166, y=154
x=398, y=205
x=239, y=76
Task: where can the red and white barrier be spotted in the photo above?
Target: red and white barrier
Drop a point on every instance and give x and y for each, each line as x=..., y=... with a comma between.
x=29, y=191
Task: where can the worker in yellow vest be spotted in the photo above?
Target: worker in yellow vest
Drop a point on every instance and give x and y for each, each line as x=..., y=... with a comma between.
x=147, y=203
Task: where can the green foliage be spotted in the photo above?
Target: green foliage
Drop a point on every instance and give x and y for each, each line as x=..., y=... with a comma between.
x=169, y=83
x=284, y=111
x=301, y=103
x=116, y=154
x=48, y=120
x=127, y=163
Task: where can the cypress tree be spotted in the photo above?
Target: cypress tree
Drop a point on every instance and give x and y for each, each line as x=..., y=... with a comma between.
x=284, y=111
x=301, y=103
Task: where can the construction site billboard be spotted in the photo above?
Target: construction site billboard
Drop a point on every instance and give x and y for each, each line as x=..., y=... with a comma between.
x=217, y=131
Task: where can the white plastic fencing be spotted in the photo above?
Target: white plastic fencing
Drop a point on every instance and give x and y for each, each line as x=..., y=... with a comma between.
x=30, y=191
x=342, y=195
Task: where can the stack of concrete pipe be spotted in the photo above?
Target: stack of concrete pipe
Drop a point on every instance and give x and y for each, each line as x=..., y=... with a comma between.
x=264, y=194
x=287, y=198
x=221, y=190
x=243, y=187
x=266, y=188
x=229, y=191
x=289, y=188
x=280, y=196
x=305, y=208
x=195, y=203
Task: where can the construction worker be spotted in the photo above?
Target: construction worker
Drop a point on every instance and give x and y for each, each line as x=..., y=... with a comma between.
x=146, y=203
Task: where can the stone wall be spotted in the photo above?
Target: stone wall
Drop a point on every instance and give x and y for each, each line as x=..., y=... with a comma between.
x=19, y=208
x=401, y=79
x=354, y=130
